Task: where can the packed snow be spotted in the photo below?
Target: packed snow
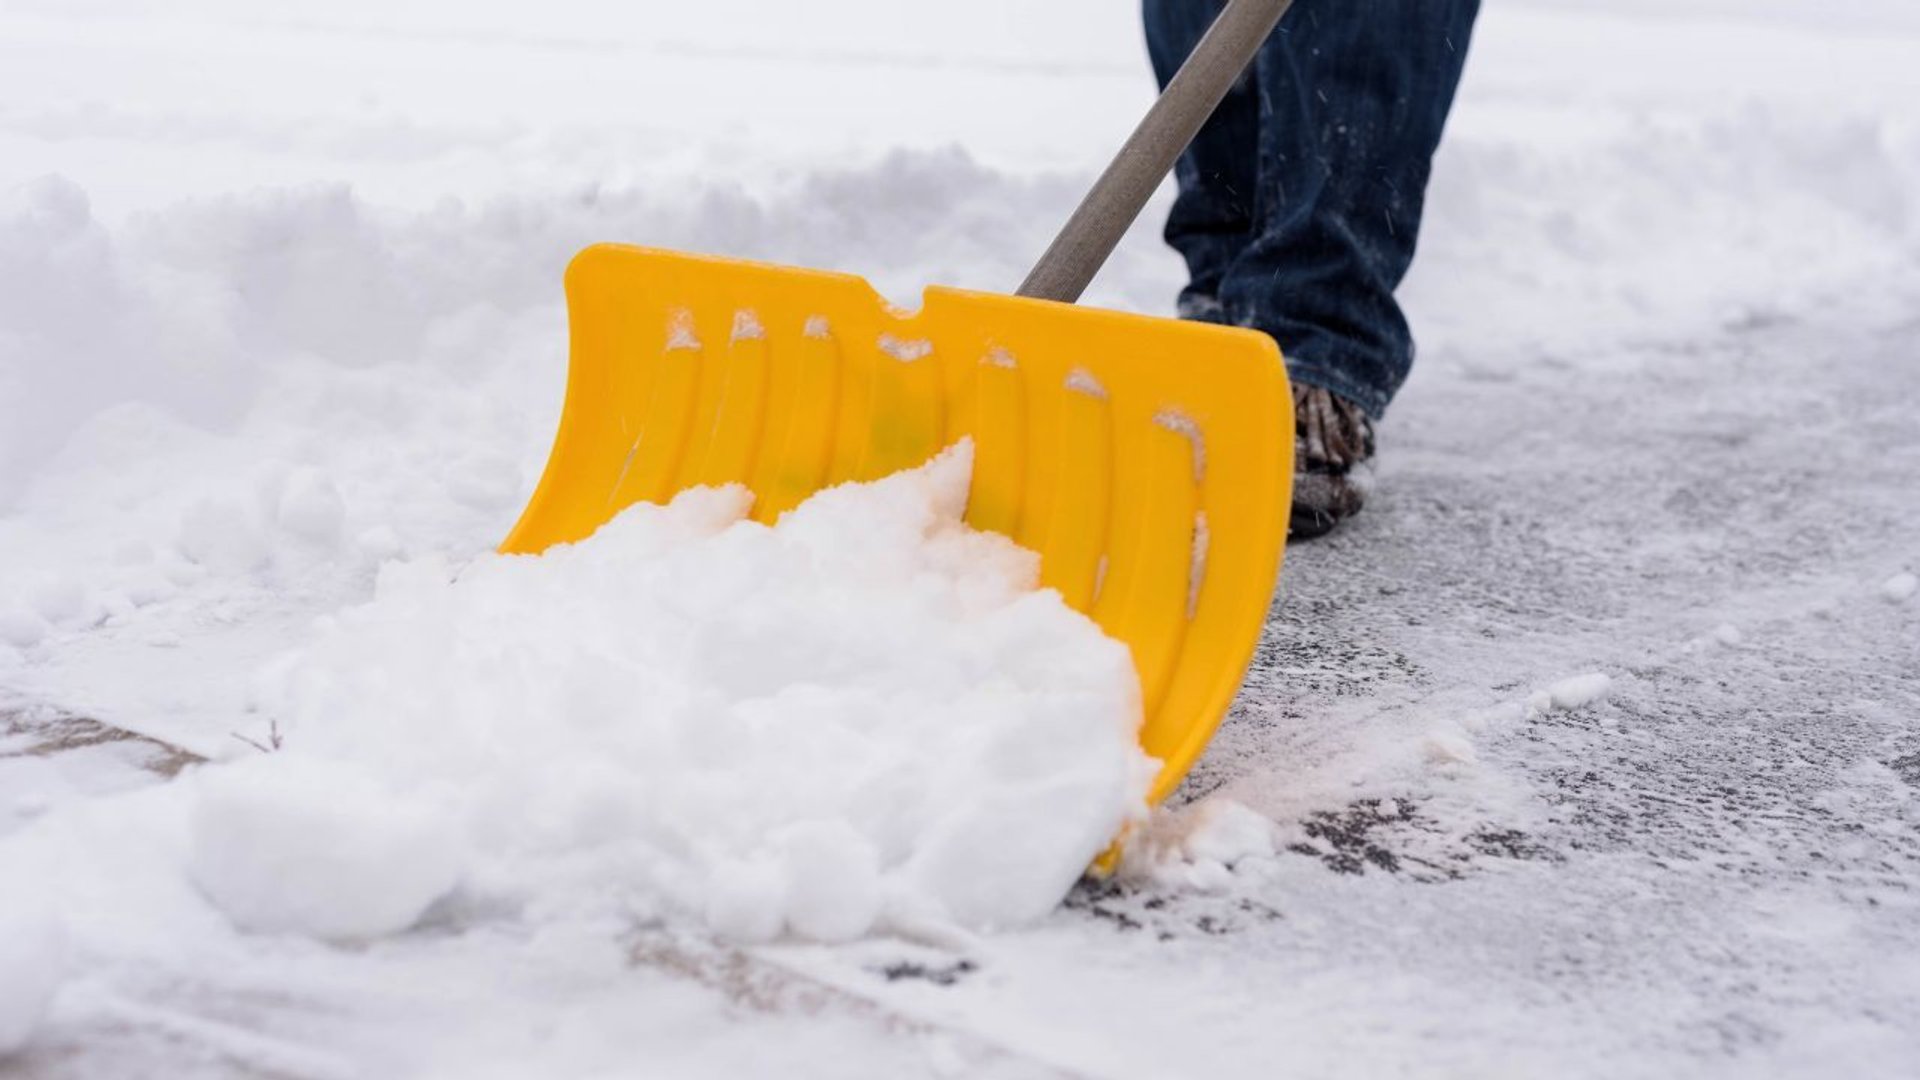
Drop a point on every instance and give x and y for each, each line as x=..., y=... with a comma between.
x=1590, y=749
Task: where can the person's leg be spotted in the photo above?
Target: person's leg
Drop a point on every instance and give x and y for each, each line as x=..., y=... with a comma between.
x=1352, y=98
x=1212, y=220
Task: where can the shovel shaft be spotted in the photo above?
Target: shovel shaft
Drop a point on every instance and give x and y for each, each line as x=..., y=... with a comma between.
x=1109, y=209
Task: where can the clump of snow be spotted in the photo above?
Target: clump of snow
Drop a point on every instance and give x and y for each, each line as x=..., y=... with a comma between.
x=1725, y=635
x=1580, y=690
x=297, y=844
x=1189, y=429
x=905, y=350
x=680, y=331
x=60, y=600
x=1574, y=692
x=1900, y=587
x=1448, y=743
x=310, y=507
x=1082, y=381
x=1226, y=832
x=20, y=627
x=832, y=875
x=1199, y=847
x=221, y=535
x=865, y=714
x=1196, y=562
x=33, y=959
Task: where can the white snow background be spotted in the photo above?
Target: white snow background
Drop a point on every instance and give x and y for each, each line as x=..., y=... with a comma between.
x=1593, y=748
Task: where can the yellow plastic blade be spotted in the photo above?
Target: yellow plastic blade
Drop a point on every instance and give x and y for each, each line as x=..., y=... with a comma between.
x=1148, y=461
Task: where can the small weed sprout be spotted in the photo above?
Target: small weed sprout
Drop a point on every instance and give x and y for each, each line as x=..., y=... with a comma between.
x=268, y=747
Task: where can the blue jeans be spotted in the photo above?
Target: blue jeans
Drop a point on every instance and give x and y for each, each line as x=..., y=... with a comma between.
x=1300, y=200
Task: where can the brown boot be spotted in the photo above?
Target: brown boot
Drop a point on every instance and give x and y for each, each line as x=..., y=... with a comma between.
x=1332, y=460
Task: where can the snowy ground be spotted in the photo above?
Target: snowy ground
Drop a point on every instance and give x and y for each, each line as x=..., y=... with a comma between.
x=279, y=302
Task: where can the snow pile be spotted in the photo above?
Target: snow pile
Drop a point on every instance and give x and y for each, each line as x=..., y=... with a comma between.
x=864, y=717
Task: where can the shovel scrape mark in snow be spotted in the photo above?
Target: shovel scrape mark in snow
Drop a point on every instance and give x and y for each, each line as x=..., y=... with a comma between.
x=905, y=350
x=680, y=333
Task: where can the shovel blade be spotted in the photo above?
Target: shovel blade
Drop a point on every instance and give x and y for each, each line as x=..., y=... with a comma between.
x=1148, y=461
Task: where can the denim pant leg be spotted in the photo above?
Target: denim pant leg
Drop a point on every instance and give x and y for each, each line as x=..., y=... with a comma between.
x=1212, y=218
x=1351, y=96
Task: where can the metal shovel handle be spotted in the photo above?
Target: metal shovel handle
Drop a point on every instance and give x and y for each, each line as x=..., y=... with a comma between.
x=1090, y=235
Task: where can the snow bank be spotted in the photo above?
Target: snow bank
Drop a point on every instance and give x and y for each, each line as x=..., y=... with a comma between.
x=83, y=326
x=863, y=716
x=394, y=370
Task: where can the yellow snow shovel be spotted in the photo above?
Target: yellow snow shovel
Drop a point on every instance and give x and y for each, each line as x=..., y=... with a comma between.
x=1147, y=460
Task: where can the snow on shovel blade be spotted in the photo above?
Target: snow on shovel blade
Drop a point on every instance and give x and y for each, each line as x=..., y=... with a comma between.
x=1148, y=461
